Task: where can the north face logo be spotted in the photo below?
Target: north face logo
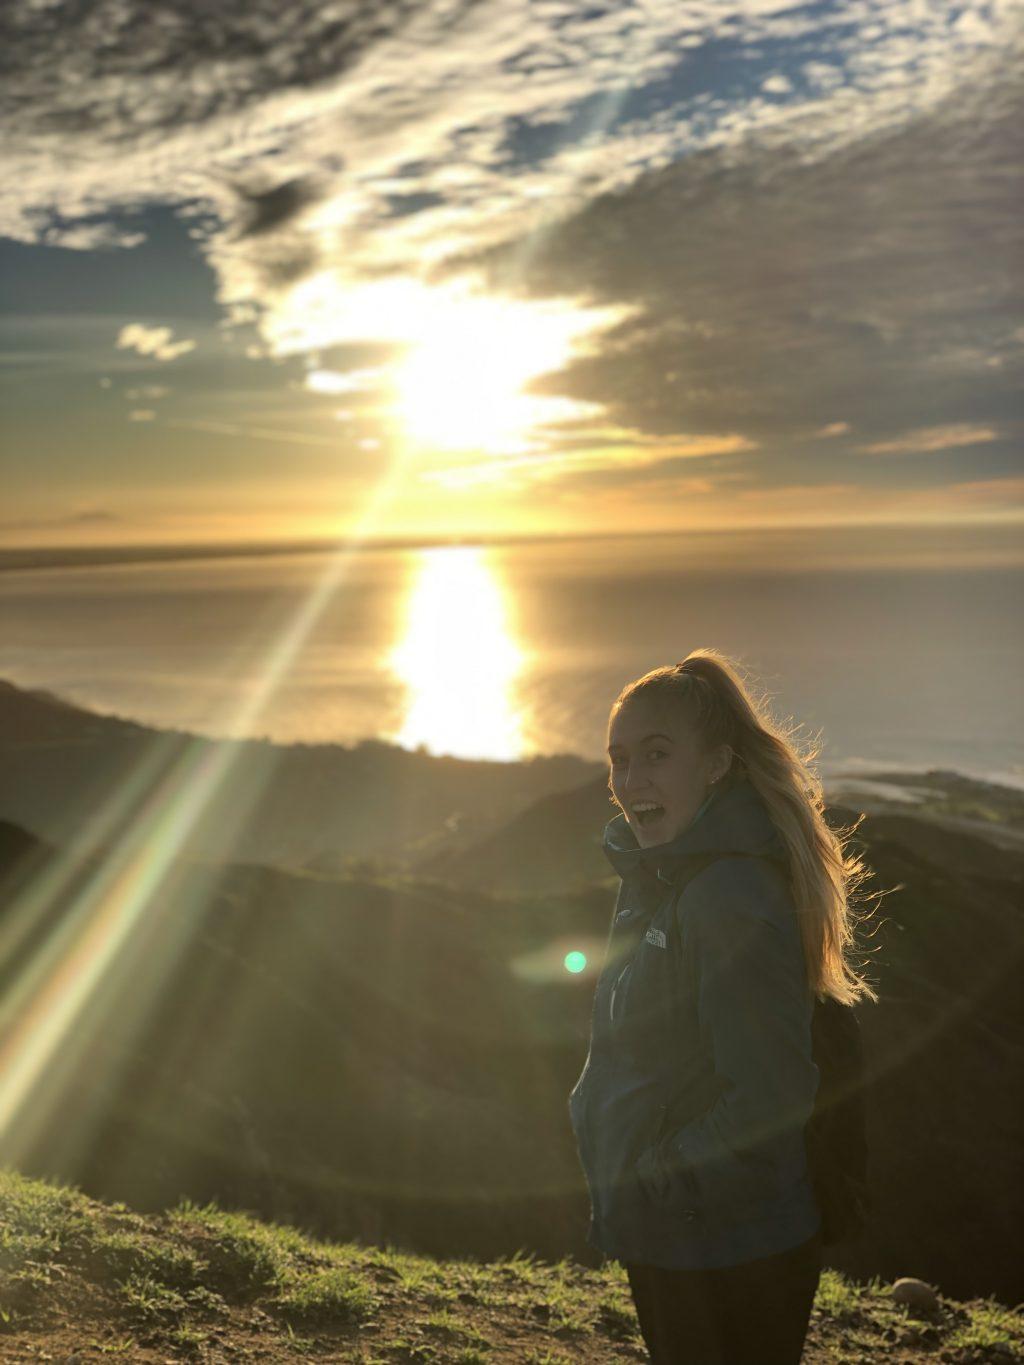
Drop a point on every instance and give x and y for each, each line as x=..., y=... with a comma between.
x=657, y=937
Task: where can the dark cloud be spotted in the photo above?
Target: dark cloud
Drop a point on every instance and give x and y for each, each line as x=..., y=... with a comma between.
x=264, y=210
x=777, y=295
x=146, y=66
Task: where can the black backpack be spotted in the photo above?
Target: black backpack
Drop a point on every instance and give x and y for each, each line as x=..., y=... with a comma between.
x=836, y=1133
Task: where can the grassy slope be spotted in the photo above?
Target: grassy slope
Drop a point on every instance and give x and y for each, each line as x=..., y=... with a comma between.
x=85, y=1281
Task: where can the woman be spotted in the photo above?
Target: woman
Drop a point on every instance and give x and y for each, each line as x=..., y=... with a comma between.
x=732, y=913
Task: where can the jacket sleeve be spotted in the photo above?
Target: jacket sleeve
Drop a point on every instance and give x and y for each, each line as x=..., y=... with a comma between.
x=754, y=1010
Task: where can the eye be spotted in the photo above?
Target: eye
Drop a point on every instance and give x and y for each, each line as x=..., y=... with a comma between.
x=662, y=753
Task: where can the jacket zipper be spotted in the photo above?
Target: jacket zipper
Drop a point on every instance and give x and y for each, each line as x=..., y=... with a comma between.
x=615, y=987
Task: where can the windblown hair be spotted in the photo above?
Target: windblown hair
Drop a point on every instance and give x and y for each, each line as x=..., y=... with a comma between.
x=825, y=877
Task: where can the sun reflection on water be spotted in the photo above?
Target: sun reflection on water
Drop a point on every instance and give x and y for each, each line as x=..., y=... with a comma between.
x=459, y=659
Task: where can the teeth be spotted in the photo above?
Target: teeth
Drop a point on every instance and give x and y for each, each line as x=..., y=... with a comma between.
x=646, y=805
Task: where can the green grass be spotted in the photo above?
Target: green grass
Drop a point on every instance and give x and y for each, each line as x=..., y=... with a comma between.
x=38, y=1219
x=123, y=1253
x=148, y=1299
x=416, y=1273
x=991, y=1325
x=113, y=1348
x=198, y=1260
x=838, y=1297
x=189, y=1340
x=198, y=1276
x=450, y=1326
x=245, y=1255
x=330, y=1294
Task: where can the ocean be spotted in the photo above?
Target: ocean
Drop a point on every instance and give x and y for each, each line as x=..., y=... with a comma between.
x=913, y=660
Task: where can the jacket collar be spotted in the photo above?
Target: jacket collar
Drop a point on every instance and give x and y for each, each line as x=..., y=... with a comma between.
x=734, y=819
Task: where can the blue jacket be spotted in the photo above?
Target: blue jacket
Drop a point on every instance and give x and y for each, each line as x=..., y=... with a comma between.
x=700, y=1050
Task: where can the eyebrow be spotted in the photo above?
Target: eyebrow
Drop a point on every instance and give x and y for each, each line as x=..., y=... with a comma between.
x=643, y=741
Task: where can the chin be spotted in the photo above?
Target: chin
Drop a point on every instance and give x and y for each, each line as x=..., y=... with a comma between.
x=649, y=839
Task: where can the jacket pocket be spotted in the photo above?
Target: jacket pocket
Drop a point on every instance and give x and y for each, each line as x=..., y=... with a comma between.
x=647, y=1167
x=664, y=1183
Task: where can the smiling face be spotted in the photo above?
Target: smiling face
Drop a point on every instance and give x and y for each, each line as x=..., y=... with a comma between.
x=655, y=757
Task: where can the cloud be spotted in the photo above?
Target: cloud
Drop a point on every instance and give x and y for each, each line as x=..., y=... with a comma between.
x=928, y=440
x=616, y=458
x=330, y=381
x=84, y=236
x=262, y=211
x=775, y=289
x=787, y=203
x=152, y=341
x=150, y=391
x=78, y=345
x=292, y=438
x=777, y=85
x=142, y=415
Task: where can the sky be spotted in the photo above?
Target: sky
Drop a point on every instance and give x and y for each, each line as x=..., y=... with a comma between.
x=483, y=267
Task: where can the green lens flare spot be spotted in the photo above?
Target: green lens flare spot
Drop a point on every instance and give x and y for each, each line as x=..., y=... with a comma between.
x=575, y=962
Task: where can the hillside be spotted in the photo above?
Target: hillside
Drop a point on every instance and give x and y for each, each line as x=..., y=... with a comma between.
x=85, y=1281
x=555, y=843
x=383, y=1051
x=322, y=806
x=388, y=1058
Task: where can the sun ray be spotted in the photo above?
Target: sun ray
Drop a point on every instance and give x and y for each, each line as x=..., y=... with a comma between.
x=109, y=893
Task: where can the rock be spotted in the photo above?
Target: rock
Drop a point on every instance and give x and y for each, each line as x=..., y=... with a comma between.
x=920, y=1298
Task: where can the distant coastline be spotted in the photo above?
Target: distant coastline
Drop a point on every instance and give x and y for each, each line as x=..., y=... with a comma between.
x=86, y=557
x=940, y=545
x=95, y=556
x=856, y=773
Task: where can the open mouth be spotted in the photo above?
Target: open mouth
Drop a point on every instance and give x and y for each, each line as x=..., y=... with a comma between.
x=649, y=817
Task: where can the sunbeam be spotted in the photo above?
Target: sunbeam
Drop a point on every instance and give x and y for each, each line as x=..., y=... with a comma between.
x=109, y=897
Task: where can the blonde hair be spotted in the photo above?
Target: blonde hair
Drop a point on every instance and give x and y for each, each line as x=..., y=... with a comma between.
x=825, y=877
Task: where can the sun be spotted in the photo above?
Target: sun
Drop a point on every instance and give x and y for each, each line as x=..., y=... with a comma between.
x=460, y=387
x=464, y=357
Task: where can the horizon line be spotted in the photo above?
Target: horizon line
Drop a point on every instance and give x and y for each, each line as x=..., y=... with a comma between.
x=85, y=556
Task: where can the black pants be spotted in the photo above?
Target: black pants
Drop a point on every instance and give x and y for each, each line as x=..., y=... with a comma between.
x=750, y=1314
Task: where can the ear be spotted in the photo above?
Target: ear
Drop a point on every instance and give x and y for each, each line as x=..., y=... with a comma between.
x=723, y=761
